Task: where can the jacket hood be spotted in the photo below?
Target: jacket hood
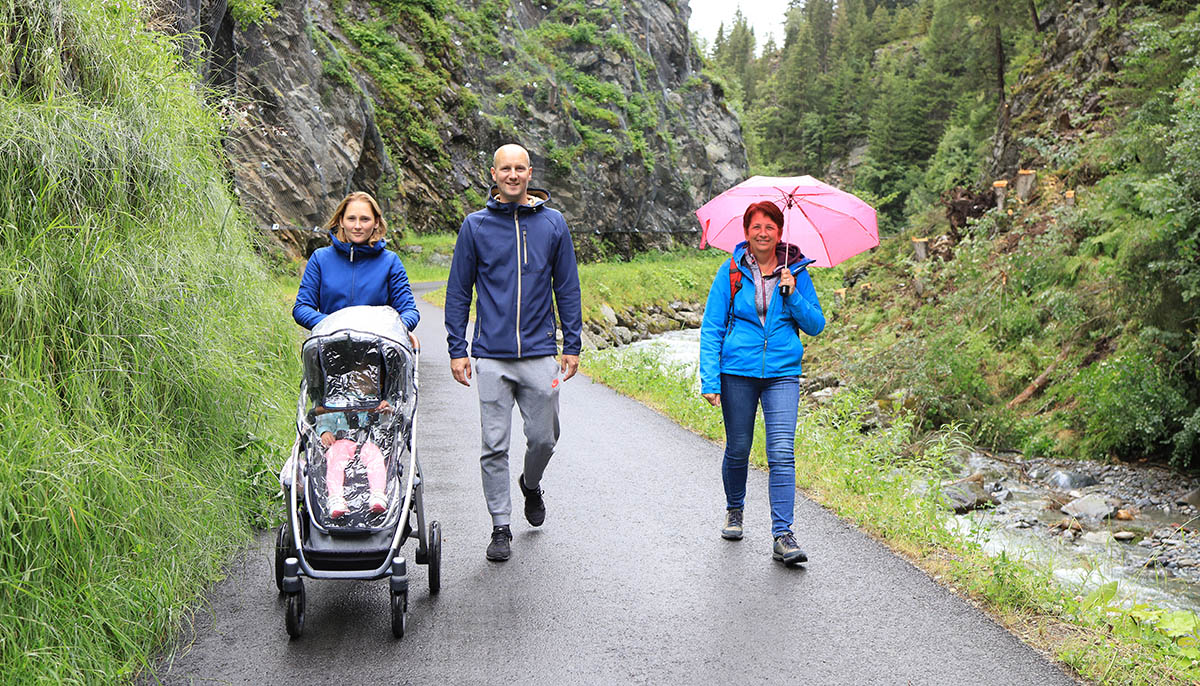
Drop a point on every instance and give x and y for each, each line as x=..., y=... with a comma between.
x=364, y=250
x=785, y=253
x=540, y=197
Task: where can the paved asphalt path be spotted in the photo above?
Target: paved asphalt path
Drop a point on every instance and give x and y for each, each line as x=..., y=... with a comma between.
x=628, y=580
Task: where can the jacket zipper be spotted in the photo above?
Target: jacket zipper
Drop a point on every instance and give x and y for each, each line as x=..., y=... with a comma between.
x=517, y=231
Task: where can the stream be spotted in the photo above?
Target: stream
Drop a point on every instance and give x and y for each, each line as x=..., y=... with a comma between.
x=1141, y=530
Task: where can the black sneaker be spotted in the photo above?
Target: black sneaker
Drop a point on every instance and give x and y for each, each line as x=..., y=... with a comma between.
x=787, y=551
x=733, y=524
x=499, y=549
x=535, y=506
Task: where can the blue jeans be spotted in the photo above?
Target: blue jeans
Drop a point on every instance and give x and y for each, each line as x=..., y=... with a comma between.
x=780, y=398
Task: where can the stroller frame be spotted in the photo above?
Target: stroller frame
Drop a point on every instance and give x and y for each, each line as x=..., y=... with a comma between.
x=291, y=564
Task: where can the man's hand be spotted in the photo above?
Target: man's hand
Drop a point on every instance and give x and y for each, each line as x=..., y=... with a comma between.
x=384, y=406
x=569, y=365
x=327, y=439
x=713, y=399
x=460, y=367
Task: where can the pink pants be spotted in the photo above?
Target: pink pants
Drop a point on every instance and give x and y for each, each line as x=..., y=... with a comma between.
x=339, y=455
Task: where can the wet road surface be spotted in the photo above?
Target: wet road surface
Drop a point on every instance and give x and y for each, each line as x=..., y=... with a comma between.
x=627, y=581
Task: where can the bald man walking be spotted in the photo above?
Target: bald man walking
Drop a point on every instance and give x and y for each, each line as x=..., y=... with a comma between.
x=517, y=256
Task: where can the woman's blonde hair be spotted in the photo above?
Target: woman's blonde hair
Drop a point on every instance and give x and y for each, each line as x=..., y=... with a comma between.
x=335, y=221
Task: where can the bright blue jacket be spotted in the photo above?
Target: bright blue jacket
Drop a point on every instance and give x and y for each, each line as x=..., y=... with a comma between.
x=346, y=274
x=746, y=347
x=520, y=261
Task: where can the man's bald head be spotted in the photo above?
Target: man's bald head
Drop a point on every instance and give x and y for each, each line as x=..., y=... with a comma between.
x=508, y=152
x=511, y=172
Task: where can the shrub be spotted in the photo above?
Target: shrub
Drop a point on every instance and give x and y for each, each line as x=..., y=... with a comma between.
x=1127, y=405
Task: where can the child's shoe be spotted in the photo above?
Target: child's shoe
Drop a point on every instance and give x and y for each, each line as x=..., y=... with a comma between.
x=378, y=502
x=337, y=506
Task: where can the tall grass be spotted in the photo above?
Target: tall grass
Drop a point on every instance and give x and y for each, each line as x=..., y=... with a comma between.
x=144, y=382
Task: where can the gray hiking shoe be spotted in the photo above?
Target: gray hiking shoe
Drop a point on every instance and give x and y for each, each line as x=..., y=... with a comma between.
x=733, y=524
x=787, y=551
x=500, y=549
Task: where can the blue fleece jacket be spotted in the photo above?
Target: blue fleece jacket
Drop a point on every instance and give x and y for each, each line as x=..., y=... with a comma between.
x=747, y=347
x=520, y=261
x=346, y=274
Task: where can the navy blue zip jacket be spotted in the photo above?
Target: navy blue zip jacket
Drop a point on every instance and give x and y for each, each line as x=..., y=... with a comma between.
x=346, y=274
x=747, y=347
x=520, y=261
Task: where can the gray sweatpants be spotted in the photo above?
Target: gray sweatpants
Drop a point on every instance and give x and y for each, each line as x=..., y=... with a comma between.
x=533, y=383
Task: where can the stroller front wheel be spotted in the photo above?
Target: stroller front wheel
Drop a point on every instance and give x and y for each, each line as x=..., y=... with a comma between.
x=435, y=558
x=295, y=613
x=399, y=613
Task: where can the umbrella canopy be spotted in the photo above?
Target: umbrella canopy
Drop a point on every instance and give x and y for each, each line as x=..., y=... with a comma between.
x=829, y=225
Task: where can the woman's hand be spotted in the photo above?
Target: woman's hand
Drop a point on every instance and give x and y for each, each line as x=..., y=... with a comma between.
x=787, y=281
x=713, y=399
x=327, y=439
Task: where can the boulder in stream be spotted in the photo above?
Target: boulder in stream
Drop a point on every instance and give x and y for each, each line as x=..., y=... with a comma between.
x=1091, y=508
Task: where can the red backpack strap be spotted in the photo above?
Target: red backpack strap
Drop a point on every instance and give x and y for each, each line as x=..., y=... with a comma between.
x=735, y=282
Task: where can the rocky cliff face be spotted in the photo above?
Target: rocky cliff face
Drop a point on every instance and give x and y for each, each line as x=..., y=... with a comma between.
x=408, y=98
x=1059, y=99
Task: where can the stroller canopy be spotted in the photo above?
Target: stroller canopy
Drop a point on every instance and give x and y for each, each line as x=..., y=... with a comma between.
x=358, y=356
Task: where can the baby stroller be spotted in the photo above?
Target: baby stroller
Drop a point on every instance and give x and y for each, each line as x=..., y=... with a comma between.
x=360, y=386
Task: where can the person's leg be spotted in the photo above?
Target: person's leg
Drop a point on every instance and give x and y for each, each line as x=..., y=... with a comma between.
x=739, y=403
x=495, y=418
x=780, y=400
x=376, y=475
x=337, y=456
x=537, y=397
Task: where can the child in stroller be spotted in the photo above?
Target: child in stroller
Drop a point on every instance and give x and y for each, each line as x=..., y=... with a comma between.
x=343, y=443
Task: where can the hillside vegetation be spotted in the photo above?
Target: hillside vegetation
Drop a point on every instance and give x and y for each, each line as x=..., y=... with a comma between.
x=147, y=369
x=1066, y=323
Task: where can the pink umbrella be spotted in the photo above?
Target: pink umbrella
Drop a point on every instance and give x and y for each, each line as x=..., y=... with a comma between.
x=829, y=225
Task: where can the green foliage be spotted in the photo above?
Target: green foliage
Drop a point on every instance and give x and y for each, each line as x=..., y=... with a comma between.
x=249, y=13
x=147, y=402
x=1130, y=404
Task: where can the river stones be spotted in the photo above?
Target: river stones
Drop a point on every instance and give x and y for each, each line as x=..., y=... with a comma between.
x=1124, y=536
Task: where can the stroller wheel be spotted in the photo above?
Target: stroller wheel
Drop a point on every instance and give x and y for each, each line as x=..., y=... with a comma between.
x=295, y=613
x=434, y=558
x=283, y=550
x=399, y=610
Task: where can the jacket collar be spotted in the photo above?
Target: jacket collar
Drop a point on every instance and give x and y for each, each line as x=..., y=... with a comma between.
x=353, y=250
x=784, y=252
x=540, y=198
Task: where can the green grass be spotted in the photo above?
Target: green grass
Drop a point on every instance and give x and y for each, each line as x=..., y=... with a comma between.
x=418, y=264
x=147, y=388
x=872, y=478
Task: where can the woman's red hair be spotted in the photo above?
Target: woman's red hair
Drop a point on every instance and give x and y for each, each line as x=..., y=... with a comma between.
x=767, y=208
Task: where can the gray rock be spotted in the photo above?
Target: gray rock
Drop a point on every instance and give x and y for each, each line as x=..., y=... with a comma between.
x=1192, y=498
x=964, y=496
x=609, y=314
x=1090, y=507
x=1066, y=481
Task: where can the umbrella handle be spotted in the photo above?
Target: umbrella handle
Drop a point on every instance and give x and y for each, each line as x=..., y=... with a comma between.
x=785, y=290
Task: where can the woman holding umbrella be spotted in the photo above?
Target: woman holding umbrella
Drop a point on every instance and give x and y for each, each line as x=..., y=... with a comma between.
x=750, y=354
